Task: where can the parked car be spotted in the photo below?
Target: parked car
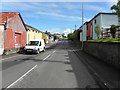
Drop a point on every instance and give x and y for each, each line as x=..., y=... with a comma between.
x=35, y=46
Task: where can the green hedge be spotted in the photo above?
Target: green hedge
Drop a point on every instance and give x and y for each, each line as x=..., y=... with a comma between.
x=105, y=40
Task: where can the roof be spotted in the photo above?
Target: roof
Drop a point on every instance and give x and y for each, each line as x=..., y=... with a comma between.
x=100, y=14
x=83, y=24
x=4, y=15
x=28, y=26
x=9, y=15
x=96, y=16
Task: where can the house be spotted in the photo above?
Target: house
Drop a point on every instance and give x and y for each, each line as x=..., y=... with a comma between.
x=83, y=32
x=12, y=32
x=103, y=21
x=59, y=36
x=33, y=33
x=50, y=36
x=45, y=37
x=88, y=30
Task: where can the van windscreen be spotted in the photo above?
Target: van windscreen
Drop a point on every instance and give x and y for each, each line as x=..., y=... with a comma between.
x=35, y=43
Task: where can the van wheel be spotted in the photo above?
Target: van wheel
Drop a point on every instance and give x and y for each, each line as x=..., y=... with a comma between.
x=38, y=51
x=44, y=49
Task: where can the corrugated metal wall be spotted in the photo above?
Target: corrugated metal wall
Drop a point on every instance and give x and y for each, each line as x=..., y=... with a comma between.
x=15, y=34
x=9, y=40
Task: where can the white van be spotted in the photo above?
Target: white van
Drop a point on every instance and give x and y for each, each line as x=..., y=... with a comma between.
x=35, y=46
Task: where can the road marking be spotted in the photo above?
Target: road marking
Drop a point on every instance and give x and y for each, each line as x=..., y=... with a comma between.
x=67, y=60
x=67, y=57
x=9, y=58
x=54, y=51
x=46, y=57
x=21, y=77
x=65, y=54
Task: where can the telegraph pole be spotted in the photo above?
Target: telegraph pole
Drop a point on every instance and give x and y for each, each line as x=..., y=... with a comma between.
x=75, y=27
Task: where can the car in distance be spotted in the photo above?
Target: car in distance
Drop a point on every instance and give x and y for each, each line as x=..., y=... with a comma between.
x=35, y=46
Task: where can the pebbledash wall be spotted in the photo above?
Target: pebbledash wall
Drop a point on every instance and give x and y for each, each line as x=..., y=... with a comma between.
x=108, y=52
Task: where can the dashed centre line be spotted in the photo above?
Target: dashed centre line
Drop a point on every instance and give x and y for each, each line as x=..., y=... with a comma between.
x=54, y=51
x=47, y=57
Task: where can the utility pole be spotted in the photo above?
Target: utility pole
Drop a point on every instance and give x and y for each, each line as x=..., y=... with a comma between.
x=82, y=24
x=75, y=27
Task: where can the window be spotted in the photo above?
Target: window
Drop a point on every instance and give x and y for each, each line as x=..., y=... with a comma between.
x=35, y=43
x=95, y=21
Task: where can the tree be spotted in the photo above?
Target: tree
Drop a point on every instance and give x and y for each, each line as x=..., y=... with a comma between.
x=63, y=35
x=113, y=30
x=71, y=36
x=117, y=10
x=75, y=35
x=97, y=31
x=55, y=37
x=102, y=34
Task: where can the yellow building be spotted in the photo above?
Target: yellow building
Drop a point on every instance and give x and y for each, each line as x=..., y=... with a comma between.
x=33, y=33
x=45, y=37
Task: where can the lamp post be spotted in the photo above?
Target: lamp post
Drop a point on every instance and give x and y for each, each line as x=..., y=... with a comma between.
x=82, y=24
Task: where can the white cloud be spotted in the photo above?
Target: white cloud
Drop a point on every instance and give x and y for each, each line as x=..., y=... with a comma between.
x=67, y=31
x=112, y=2
x=93, y=8
x=55, y=30
x=57, y=1
x=53, y=9
x=61, y=16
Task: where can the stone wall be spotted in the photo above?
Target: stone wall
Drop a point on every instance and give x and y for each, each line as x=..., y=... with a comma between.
x=108, y=52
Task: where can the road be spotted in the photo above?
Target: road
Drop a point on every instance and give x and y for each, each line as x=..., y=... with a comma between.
x=58, y=67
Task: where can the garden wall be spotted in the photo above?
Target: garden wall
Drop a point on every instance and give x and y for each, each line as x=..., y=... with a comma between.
x=108, y=52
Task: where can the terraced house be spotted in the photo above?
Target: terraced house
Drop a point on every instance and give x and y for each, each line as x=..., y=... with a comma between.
x=104, y=22
x=101, y=20
x=33, y=33
x=12, y=32
x=45, y=37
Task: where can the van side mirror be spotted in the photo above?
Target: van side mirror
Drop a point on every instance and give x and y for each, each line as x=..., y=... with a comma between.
x=40, y=44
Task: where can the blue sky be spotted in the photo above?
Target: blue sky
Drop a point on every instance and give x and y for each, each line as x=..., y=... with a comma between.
x=55, y=16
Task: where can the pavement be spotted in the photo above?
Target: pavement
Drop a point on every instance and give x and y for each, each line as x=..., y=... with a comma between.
x=60, y=66
x=106, y=75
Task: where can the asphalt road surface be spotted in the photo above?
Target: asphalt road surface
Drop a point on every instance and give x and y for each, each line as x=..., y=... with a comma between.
x=58, y=67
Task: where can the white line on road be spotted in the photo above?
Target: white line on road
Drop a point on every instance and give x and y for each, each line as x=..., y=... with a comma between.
x=25, y=73
x=21, y=77
x=9, y=57
x=46, y=57
x=54, y=51
x=65, y=54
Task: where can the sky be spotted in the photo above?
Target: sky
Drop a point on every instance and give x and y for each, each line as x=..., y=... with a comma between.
x=56, y=16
